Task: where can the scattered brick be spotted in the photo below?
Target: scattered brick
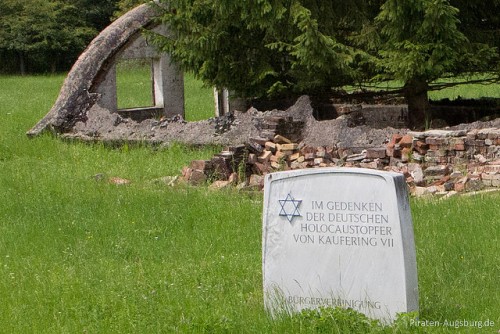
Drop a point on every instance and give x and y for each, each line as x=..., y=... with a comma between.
x=197, y=177
x=270, y=146
x=433, y=162
x=281, y=140
x=265, y=156
x=200, y=165
x=375, y=153
x=289, y=147
x=406, y=141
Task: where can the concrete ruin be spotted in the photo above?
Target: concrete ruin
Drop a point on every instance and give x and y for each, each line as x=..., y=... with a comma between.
x=89, y=90
x=87, y=107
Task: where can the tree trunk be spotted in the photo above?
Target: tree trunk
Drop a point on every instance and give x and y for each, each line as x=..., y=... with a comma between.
x=22, y=63
x=418, y=103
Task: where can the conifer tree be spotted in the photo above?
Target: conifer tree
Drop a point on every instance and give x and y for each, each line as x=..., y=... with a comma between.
x=265, y=47
x=273, y=47
x=420, y=42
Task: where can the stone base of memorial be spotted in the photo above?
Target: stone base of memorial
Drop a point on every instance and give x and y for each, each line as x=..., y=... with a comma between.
x=339, y=237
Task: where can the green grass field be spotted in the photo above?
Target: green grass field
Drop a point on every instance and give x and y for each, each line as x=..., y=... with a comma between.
x=80, y=255
x=463, y=91
x=466, y=91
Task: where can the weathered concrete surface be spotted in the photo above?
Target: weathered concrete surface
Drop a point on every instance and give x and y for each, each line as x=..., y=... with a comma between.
x=77, y=95
x=103, y=126
x=107, y=127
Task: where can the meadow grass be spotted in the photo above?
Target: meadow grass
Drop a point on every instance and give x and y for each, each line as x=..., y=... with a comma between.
x=457, y=243
x=463, y=91
x=78, y=254
x=466, y=91
x=133, y=84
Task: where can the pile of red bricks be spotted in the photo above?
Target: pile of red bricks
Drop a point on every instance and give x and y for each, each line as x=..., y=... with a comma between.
x=435, y=161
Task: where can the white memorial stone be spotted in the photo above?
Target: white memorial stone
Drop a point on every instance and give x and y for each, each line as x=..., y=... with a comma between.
x=339, y=237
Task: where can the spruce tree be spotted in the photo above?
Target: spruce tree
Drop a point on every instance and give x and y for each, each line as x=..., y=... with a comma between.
x=420, y=42
x=277, y=47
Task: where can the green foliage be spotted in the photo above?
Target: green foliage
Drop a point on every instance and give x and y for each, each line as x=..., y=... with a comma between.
x=420, y=39
x=52, y=32
x=479, y=20
x=263, y=47
x=418, y=42
x=126, y=5
x=44, y=27
x=313, y=52
x=219, y=44
x=277, y=47
x=97, y=14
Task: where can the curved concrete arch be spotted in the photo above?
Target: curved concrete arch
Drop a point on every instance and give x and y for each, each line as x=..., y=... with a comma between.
x=80, y=91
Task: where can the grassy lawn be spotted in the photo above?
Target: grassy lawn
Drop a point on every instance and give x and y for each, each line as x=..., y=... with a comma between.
x=465, y=91
x=468, y=91
x=81, y=255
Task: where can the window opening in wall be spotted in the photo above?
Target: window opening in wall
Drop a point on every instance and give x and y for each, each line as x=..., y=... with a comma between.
x=199, y=99
x=134, y=83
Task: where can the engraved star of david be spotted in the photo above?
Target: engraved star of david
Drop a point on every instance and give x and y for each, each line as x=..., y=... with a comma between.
x=290, y=207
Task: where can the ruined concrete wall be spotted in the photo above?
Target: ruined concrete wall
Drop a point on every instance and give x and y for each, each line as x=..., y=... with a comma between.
x=91, y=83
x=297, y=122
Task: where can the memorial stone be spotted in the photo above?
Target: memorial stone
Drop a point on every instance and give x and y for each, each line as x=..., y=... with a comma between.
x=339, y=237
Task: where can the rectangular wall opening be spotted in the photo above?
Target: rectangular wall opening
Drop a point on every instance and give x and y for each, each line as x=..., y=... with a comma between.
x=199, y=99
x=134, y=83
